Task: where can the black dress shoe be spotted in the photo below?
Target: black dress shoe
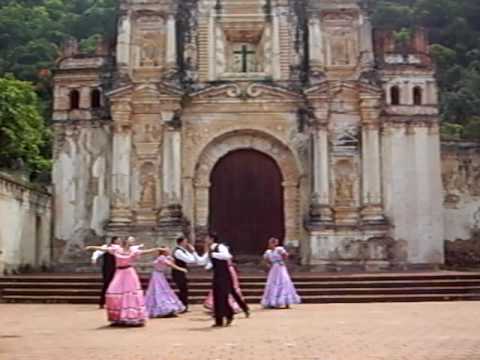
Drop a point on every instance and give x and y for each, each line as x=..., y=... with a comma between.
x=247, y=314
x=229, y=322
x=217, y=325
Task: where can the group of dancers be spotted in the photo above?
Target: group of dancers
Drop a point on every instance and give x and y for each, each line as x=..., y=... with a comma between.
x=126, y=304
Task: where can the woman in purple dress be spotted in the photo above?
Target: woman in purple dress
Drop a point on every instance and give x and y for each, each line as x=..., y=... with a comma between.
x=160, y=299
x=279, y=291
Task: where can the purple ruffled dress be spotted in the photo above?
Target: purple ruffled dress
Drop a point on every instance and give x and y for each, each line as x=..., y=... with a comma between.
x=279, y=290
x=160, y=300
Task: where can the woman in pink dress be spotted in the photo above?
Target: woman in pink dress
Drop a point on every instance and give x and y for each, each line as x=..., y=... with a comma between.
x=279, y=291
x=124, y=298
x=160, y=300
x=208, y=303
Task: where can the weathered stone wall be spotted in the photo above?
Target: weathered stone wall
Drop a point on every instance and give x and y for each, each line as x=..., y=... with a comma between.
x=25, y=226
x=412, y=190
x=82, y=183
x=461, y=181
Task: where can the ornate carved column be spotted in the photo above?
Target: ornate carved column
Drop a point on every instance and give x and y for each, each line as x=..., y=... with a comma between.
x=291, y=201
x=122, y=144
x=171, y=170
x=276, y=67
x=315, y=44
x=123, y=43
x=320, y=210
x=212, y=53
x=171, y=52
x=372, y=200
x=320, y=207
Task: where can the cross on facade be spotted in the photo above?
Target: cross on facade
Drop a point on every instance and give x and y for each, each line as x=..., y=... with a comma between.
x=244, y=53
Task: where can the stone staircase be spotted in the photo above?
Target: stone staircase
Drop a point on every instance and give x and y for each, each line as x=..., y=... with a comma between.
x=313, y=287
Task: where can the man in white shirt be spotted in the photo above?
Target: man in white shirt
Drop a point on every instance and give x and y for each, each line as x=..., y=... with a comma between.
x=183, y=255
x=108, y=267
x=217, y=257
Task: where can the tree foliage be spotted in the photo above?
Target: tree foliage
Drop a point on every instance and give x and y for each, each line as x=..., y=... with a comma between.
x=454, y=29
x=32, y=33
x=23, y=133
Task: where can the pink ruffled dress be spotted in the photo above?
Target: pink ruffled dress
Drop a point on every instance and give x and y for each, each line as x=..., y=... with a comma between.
x=124, y=298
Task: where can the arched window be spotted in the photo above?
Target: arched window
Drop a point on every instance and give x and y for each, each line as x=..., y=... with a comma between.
x=395, y=95
x=95, y=99
x=417, y=95
x=74, y=99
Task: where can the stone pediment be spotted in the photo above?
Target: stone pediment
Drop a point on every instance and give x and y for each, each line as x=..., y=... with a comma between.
x=146, y=93
x=252, y=92
x=369, y=90
x=347, y=89
x=320, y=91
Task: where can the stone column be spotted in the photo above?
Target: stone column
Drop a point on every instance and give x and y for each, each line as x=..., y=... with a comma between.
x=320, y=210
x=171, y=52
x=366, y=43
x=212, y=47
x=123, y=43
x=291, y=201
x=276, y=51
x=372, y=210
x=315, y=44
x=85, y=96
x=171, y=171
x=121, y=171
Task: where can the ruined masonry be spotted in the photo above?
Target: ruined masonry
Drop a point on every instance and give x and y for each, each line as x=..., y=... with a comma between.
x=154, y=136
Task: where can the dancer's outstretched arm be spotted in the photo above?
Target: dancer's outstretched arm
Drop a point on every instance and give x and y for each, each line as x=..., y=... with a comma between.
x=95, y=248
x=174, y=266
x=151, y=251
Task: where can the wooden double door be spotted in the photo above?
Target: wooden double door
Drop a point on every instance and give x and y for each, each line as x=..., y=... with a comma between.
x=246, y=201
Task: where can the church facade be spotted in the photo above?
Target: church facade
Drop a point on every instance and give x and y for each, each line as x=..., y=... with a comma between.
x=252, y=118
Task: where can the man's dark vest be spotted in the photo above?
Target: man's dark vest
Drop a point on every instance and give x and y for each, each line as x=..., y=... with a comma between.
x=220, y=267
x=179, y=262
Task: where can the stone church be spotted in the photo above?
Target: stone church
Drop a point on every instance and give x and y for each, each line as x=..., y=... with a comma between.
x=252, y=118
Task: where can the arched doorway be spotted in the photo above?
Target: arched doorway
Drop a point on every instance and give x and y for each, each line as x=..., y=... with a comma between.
x=246, y=201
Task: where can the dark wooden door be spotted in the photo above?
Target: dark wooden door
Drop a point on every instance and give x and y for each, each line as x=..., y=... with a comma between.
x=246, y=201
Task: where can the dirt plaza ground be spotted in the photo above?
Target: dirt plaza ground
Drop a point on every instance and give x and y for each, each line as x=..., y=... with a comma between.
x=413, y=331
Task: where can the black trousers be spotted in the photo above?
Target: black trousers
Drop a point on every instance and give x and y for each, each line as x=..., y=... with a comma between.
x=181, y=281
x=108, y=272
x=222, y=288
x=238, y=299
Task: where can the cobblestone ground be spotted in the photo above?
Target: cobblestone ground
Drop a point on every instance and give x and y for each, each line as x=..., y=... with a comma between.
x=432, y=331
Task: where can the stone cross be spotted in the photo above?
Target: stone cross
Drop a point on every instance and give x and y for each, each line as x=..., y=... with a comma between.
x=244, y=53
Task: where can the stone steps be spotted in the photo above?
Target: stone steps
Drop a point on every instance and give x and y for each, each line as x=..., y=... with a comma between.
x=325, y=299
x=258, y=292
x=313, y=287
x=97, y=284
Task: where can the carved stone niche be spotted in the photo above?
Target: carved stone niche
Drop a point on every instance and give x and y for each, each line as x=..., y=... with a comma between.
x=345, y=191
x=344, y=182
x=149, y=44
x=148, y=185
x=341, y=39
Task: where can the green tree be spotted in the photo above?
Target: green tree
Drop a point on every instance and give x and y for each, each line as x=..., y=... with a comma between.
x=455, y=35
x=23, y=133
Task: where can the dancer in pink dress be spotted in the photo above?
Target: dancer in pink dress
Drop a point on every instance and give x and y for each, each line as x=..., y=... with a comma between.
x=160, y=300
x=279, y=291
x=124, y=298
x=208, y=303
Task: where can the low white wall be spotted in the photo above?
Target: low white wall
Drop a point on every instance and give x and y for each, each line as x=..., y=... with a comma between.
x=25, y=225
